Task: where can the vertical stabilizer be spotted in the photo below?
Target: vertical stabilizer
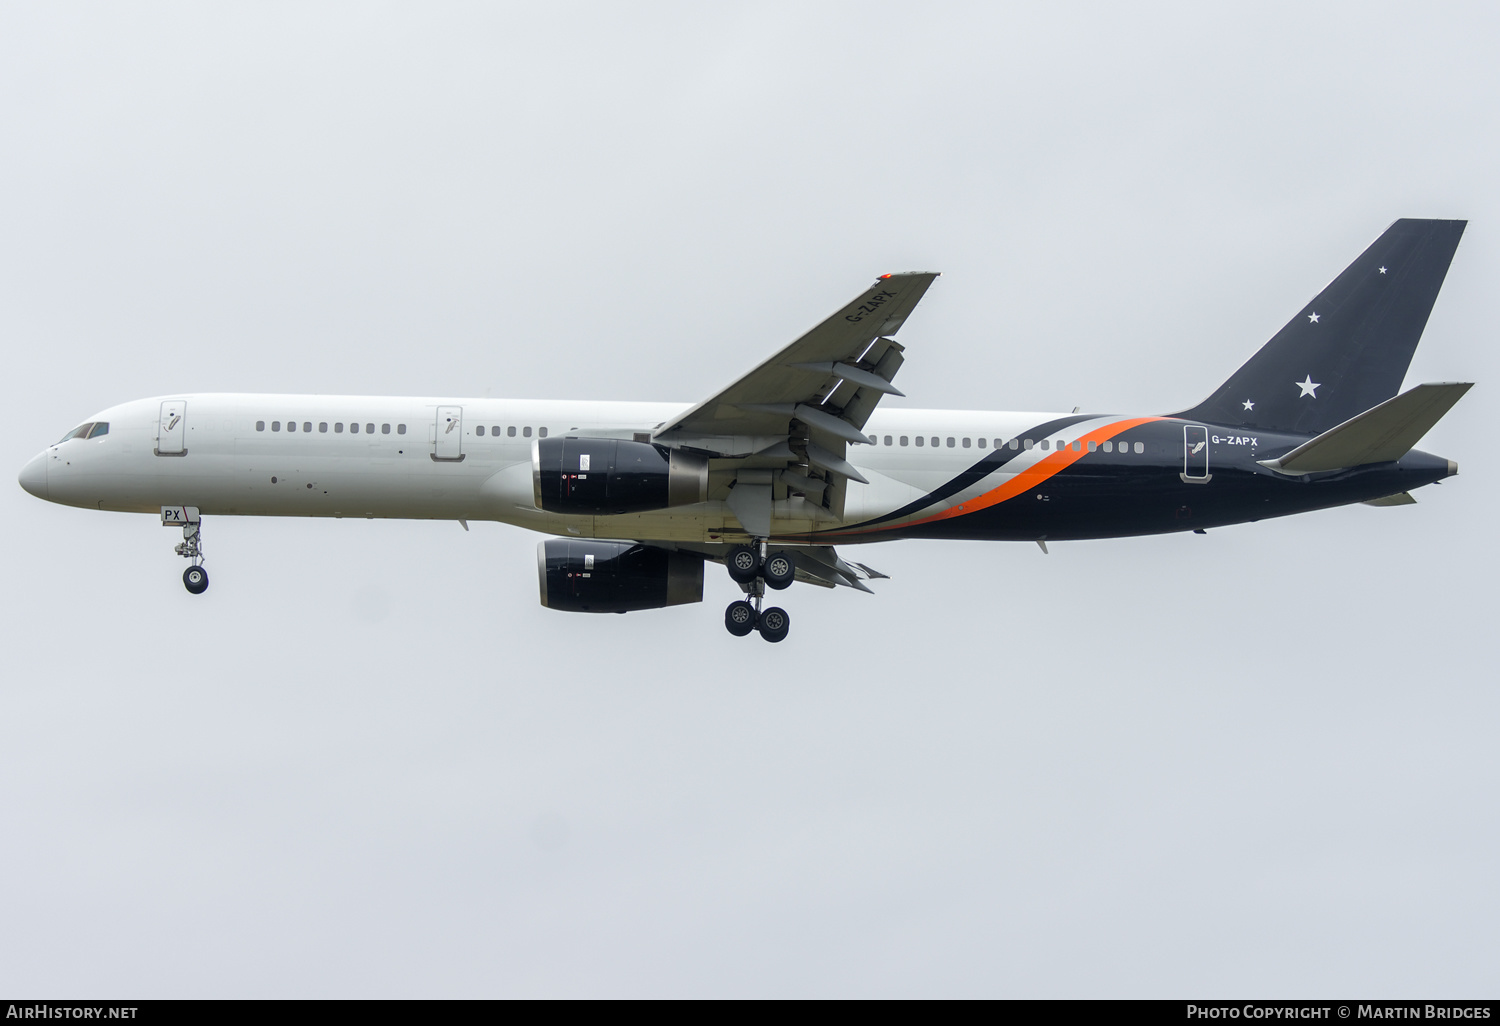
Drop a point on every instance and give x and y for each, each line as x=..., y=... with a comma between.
x=1346, y=351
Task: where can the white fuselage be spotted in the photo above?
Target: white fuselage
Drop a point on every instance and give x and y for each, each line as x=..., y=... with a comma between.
x=239, y=457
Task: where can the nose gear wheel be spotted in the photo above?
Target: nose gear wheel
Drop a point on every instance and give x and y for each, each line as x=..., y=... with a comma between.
x=195, y=580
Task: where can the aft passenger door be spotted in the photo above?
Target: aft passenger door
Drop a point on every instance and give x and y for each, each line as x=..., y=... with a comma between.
x=448, y=434
x=171, y=430
x=1195, y=454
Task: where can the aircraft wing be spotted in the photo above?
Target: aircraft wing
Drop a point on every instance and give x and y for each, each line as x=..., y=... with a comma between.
x=828, y=381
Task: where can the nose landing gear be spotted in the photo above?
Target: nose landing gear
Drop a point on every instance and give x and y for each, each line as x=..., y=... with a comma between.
x=194, y=578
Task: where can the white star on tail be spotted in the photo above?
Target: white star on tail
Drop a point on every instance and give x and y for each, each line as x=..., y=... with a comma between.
x=1308, y=386
x=1249, y=405
x=1382, y=270
x=1313, y=318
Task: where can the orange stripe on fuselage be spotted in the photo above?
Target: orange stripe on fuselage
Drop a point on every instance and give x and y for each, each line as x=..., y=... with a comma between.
x=1041, y=471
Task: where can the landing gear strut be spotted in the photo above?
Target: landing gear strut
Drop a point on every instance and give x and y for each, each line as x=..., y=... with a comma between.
x=754, y=570
x=194, y=578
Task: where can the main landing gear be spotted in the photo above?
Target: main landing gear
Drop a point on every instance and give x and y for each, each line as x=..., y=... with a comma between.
x=753, y=569
x=194, y=578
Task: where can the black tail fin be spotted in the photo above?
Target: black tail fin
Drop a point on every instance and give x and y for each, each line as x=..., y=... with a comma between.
x=1348, y=349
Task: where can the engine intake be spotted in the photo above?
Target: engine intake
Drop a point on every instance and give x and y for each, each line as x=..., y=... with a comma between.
x=587, y=576
x=609, y=475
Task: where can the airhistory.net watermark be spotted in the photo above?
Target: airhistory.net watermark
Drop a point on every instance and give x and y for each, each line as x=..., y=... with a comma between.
x=43, y=1010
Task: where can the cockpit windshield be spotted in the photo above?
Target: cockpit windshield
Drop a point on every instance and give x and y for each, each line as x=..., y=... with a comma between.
x=93, y=429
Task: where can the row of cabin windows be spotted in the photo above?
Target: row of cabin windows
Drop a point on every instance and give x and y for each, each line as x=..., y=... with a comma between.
x=1015, y=443
x=369, y=429
x=541, y=432
x=338, y=428
x=920, y=440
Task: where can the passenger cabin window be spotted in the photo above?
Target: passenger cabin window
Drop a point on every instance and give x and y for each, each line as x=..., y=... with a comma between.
x=950, y=441
x=981, y=442
x=1015, y=443
x=887, y=439
x=1077, y=446
x=1093, y=446
x=511, y=431
x=1140, y=447
x=921, y=440
x=323, y=427
x=275, y=425
x=1046, y=444
x=307, y=425
x=338, y=428
x=400, y=429
x=478, y=431
x=354, y=428
x=526, y=431
x=1028, y=443
x=495, y=430
x=385, y=429
x=903, y=439
x=291, y=425
x=966, y=443
x=369, y=429
x=260, y=425
x=541, y=432
x=934, y=441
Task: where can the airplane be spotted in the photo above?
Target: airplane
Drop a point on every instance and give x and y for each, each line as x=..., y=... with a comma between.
x=793, y=460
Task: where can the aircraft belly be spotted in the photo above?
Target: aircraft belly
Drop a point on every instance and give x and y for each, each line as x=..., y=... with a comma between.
x=1105, y=505
x=700, y=522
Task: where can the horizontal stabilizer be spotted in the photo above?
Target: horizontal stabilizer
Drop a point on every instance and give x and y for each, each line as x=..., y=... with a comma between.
x=1399, y=499
x=1379, y=435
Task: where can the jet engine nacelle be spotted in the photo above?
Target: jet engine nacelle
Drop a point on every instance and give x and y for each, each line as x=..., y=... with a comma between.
x=600, y=476
x=587, y=576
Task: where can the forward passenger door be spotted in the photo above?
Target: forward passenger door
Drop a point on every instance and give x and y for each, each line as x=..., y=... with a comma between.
x=171, y=430
x=448, y=434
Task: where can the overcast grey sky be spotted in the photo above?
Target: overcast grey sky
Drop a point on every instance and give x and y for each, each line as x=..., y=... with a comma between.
x=368, y=763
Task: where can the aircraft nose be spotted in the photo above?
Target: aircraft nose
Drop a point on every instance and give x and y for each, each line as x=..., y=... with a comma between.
x=33, y=476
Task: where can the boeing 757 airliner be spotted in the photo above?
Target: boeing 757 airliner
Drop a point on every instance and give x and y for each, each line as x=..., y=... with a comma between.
x=794, y=458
